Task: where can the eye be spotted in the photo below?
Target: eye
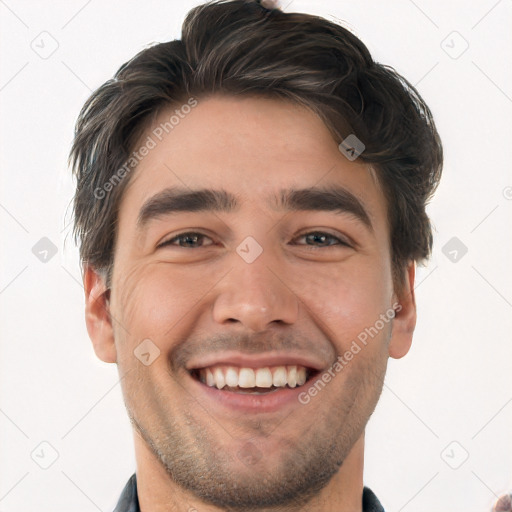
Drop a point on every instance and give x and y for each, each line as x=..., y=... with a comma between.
x=323, y=239
x=314, y=239
x=189, y=240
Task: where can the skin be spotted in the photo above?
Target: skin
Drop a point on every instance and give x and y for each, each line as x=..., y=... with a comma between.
x=312, y=295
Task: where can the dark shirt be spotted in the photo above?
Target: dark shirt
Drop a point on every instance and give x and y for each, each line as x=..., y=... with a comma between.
x=129, y=502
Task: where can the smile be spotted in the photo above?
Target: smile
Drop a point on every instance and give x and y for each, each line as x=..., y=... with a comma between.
x=252, y=380
x=252, y=390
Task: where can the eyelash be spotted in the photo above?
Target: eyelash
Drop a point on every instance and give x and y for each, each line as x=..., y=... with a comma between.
x=188, y=233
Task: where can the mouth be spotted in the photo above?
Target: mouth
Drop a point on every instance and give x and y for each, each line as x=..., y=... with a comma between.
x=254, y=381
x=250, y=390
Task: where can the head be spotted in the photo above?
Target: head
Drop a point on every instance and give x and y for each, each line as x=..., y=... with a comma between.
x=221, y=225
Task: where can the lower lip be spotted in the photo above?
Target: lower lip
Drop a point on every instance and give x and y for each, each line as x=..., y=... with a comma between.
x=250, y=402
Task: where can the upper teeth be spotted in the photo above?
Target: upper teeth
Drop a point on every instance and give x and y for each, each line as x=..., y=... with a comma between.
x=232, y=376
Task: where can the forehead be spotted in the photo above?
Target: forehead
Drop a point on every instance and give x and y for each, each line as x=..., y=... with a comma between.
x=251, y=146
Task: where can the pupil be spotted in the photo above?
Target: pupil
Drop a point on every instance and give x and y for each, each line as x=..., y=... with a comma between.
x=192, y=239
x=318, y=237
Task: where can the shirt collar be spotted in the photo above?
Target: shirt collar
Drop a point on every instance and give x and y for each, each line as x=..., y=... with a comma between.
x=129, y=501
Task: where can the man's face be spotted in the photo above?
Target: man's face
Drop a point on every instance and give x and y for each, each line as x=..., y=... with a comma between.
x=248, y=291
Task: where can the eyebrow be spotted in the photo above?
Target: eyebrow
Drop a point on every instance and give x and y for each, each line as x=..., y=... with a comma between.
x=178, y=199
x=332, y=199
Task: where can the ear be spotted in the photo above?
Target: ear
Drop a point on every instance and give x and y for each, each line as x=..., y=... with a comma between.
x=404, y=321
x=97, y=315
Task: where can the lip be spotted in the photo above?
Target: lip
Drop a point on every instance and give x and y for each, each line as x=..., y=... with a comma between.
x=278, y=400
x=256, y=360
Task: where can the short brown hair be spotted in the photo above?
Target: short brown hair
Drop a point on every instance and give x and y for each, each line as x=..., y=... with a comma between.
x=239, y=47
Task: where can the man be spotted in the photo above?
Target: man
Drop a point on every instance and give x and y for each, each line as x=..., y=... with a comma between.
x=250, y=208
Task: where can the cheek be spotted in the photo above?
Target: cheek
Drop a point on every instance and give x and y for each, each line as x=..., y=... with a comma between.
x=154, y=299
x=349, y=299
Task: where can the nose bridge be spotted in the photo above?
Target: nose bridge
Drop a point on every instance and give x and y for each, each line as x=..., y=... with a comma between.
x=254, y=294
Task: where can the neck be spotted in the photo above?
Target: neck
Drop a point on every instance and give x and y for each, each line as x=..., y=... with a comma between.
x=159, y=493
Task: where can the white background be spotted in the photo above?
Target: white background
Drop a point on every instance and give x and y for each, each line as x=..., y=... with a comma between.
x=454, y=385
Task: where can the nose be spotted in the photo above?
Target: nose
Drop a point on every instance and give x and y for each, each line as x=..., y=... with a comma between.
x=255, y=295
